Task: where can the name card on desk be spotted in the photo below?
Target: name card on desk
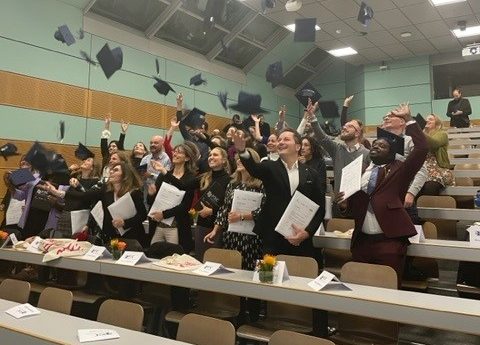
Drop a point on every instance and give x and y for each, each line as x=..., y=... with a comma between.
x=86, y=335
x=209, y=268
x=34, y=247
x=327, y=279
x=419, y=237
x=22, y=310
x=280, y=273
x=474, y=232
x=130, y=258
x=97, y=252
x=11, y=238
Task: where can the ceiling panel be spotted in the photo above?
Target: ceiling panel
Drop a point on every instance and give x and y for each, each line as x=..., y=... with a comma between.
x=403, y=3
x=136, y=14
x=239, y=53
x=379, y=5
x=338, y=29
x=373, y=54
x=446, y=43
x=475, y=5
x=318, y=11
x=296, y=77
x=357, y=42
x=315, y=57
x=322, y=36
x=392, y=19
x=452, y=23
x=396, y=50
x=455, y=10
x=342, y=8
x=283, y=17
x=434, y=29
x=332, y=44
x=261, y=29
x=356, y=59
x=421, y=13
x=420, y=47
x=357, y=26
x=416, y=34
x=381, y=38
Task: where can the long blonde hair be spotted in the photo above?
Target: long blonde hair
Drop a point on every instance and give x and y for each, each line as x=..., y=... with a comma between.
x=130, y=179
x=206, y=178
x=438, y=125
x=251, y=181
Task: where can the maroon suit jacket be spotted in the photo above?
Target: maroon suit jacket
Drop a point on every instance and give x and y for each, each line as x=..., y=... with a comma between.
x=388, y=196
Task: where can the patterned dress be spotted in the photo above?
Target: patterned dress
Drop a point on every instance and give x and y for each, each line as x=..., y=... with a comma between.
x=249, y=245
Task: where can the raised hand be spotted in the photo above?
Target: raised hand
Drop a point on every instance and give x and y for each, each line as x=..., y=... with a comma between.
x=282, y=112
x=124, y=126
x=108, y=120
x=174, y=123
x=403, y=111
x=239, y=141
x=158, y=166
x=347, y=101
x=255, y=118
x=180, y=101
x=312, y=108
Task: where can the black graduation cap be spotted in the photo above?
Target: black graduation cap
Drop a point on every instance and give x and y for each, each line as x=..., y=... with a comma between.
x=308, y=91
x=37, y=157
x=197, y=80
x=21, y=176
x=329, y=109
x=397, y=143
x=365, y=15
x=8, y=149
x=195, y=118
x=81, y=34
x=162, y=87
x=248, y=104
x=267, y=4
x=110, y=60
x=57, y=168
x=64, y=35
x=87, y=57
x=157, y=66
x=82, y=152
x=274, y=74
x=142, y=168
x=420, y=120
x=305, y=29
x=222, y=96
x=61, y=126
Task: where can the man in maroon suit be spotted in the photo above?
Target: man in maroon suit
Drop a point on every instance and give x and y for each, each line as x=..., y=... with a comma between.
x=382, y=226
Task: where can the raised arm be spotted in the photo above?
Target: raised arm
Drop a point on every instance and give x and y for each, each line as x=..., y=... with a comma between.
x=346, y=105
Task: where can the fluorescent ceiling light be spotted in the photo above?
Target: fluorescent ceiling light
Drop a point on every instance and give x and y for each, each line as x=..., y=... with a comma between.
x=291, y=27
x=445, y=2
x=343, y=51
x=468, y=32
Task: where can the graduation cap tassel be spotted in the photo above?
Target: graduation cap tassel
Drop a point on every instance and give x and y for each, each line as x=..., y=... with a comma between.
x=62, y=131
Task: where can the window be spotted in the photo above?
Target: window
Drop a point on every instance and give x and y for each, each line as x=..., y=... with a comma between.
x=463, y=74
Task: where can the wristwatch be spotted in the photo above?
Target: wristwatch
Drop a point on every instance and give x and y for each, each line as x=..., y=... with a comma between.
x=242, y=218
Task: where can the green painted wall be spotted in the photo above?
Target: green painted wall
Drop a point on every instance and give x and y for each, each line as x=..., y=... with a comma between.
x=30, y=49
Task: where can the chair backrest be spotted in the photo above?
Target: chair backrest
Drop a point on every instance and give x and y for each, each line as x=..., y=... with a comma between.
x=204, y=330
x=429, y=230
x=300, y=266
x=55, y=299
x=464, y=181
x=446, y=229
x=474, y=155
x=229, y=303
x=340, y=224
x=121, y=313
x=371, y=275
x=15, y=290
x=427, y=265
x=467, y=166
x=293, y=338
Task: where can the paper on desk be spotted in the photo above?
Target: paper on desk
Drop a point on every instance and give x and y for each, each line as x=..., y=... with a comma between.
x=131, y=258
x=96, y=252
x=168, y=196
x=209, y=268
x=97, y=213
x=14, y=211
x=86, y=335
x=474, y=235
x=327, y=281
x=419, y=237
x=300, y=211
x=22, y=310
x=351, y=181
x=79, y=220
x=123, y=208
x=244, y=202
x=328, y=207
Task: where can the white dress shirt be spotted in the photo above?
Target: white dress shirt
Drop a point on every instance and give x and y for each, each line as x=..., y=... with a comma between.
x=293, y=176
x=370, y=224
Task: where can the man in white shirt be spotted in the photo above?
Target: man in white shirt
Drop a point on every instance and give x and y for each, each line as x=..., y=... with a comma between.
x=156, y=154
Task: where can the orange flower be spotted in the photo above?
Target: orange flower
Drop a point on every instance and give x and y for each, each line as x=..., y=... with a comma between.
x=269, y=259
x=3, y=235
x=114, y=243
x=122, y=246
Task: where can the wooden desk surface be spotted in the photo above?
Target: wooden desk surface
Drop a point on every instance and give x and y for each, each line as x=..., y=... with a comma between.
x=54, y=328
x=449, y=213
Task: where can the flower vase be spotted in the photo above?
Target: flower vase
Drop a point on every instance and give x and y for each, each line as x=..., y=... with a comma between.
x=116, y=254
x=265, y=276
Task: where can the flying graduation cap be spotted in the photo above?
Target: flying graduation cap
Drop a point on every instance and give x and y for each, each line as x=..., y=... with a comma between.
x=308, y=91
x=365, y=15
x=195, y=118
x=249, y=104
x=197, y=80
x=21, y=176
x=64, y=35
x=61, y=125
x=267, y=4
x=222, y=96
x=7, y=150
x=82, y=152
x=397, y=143
x=157, y=66
x=420, y=120
x=111, y=60
x=305, y=29
x=87, y=57
x=274, y=74
x=329, y=109
x=162, y=86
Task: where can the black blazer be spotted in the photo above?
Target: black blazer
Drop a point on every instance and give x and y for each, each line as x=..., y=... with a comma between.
x=277, y=189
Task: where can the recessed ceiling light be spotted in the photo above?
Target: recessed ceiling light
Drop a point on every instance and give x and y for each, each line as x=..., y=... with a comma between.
x=445, y=2
x=343, y=51
x=468, y=32
x=291, y=27
x=406, y=34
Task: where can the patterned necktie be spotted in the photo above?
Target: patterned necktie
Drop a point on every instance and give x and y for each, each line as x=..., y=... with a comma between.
x=372, y=182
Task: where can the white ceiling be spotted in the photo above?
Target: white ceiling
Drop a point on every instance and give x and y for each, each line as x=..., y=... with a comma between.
x=430, y=26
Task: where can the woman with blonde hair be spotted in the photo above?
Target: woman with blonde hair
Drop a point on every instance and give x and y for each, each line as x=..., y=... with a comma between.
x=437, y=162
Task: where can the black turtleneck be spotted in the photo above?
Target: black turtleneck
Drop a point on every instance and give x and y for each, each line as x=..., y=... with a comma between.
x=213, y=196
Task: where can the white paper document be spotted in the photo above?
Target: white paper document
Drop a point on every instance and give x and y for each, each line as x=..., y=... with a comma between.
x=474, y=233
x=97, y=252
x=130, y=258
x=97, y=213
x=14, y=211
x=280, y=273
x=123, y=208
x=22, y=310
x=244, y=202
x=168, y=196
x=328, y=207
x=327, y=281
x=86, y=335
x=209, y=268
x=79, y=220
x=351, y=181
x=34, y=246
x=300, y=211
x=419, y=237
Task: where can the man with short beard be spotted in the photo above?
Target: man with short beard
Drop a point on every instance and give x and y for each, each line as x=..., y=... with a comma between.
x=342, y=153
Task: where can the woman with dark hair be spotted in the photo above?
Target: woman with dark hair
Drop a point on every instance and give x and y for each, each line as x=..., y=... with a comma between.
x=184, y=162
x=311, y=155
x=109, y=148
x=138, y=152
x=123, y=179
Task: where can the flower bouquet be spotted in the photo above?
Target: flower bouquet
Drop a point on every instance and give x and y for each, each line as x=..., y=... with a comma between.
x=117, y=247
x=265, y=268
x=193, y=215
